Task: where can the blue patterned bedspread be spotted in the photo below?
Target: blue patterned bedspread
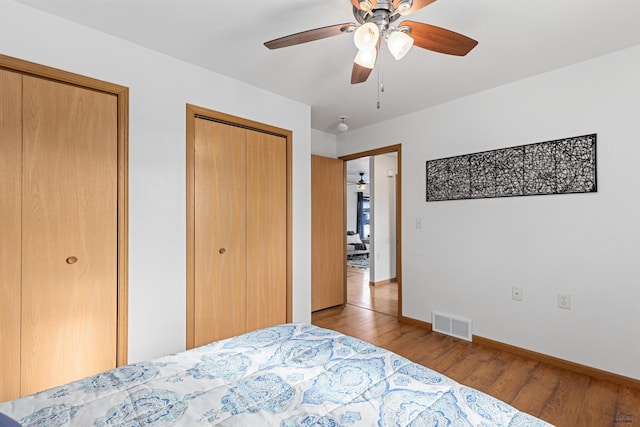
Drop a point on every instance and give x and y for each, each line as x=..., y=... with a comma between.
x=288, y=375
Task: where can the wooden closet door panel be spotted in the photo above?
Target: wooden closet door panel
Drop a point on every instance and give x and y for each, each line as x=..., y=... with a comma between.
x=10, y=232
x=327, y=233
x=220, y=231
x=266, y=230
x=69, y=209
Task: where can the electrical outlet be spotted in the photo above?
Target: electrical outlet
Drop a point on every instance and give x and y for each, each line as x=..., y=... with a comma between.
x=418, y=223
x=516, y=293
x=564, y=301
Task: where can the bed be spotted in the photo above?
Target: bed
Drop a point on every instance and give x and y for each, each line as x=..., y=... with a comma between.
x=287, y=375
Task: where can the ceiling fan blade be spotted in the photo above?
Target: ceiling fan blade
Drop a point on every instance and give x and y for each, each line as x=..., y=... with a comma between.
x=439, y=39
x=417, y=4
x=308, y=36
x=359, y=74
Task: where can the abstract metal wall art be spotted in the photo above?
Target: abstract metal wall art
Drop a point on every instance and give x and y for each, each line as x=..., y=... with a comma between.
x=553, y=167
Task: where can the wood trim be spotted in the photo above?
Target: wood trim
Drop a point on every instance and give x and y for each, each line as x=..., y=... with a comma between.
x=384, y=282
x=190, y=215
x=122, y=345
x=427, y=325
x=345, y=294
x=397, y=148
x=559, y=363
x=38, y=70
x=11, y=169
x=373, y=152
x=540, y=357
x=122, y=94
x=239, y=121
x=399, y=227
x=289, y=137
x=193, y=111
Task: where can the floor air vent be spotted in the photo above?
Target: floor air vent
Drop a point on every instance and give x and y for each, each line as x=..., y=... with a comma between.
x=451, y=325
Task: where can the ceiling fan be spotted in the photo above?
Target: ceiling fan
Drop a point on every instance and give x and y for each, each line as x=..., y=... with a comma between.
x=377, y=22
x=361, y=185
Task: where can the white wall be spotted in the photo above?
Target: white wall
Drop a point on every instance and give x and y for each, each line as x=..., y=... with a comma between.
x=323, y=144
x=383, y=218
x=352, y=208
x=160, y=87
x=470, y=253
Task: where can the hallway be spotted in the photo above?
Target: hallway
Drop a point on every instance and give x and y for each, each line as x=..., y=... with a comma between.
x=381, y=298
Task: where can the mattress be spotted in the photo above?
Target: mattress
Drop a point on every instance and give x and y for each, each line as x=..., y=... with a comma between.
x=287, y=375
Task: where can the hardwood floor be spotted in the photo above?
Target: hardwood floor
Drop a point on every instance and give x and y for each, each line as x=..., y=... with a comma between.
x=382, y=298
x=558, y=396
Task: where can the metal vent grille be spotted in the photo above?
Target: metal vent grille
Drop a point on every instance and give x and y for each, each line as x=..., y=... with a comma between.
x=455, y=326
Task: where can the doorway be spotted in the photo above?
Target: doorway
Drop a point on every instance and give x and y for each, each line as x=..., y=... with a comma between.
x=373, y=270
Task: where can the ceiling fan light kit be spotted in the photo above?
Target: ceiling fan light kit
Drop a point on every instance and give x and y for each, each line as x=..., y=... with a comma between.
x=365, y=5
x=377, y=19
x=366, y=36
x=366, y=58
x=404, y=7
x=399, y=44
x=361, y=185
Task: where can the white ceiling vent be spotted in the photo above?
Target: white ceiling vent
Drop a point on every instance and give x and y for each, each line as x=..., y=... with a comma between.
x=455, y=326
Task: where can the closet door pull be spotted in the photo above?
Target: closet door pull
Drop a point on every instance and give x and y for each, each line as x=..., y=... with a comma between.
x=222, y=250
x=72, y=260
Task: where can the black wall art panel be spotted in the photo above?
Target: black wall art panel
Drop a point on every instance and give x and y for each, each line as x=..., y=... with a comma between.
x=553, y=167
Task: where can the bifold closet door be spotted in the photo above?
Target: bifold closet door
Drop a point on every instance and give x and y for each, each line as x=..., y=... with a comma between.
x=240, y=230
x=69, y=233
x=266, y=230
x=10, y=234
x=220, y=231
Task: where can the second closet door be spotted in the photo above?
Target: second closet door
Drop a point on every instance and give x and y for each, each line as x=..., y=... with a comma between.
x=266, y=230
x=220, y=231
x=240, y=230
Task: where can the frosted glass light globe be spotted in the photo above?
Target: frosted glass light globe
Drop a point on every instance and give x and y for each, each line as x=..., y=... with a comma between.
x=399, y=44
x=366, y=58
x=366, y=36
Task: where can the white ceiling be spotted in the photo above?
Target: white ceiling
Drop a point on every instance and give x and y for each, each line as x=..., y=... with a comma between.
x=361, y=164
x=516, y=38
x=355, y=166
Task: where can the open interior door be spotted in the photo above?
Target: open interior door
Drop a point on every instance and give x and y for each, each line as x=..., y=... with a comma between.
x=328, y=247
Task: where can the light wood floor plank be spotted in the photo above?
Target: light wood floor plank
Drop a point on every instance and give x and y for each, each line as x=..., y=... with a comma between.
x=382, y=298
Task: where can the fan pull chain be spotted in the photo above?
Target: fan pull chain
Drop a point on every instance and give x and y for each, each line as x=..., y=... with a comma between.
x=380, y=77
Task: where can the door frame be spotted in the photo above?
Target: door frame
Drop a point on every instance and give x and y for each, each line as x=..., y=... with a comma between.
x=122, y=95
x=374, y=152
x=194, y=112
